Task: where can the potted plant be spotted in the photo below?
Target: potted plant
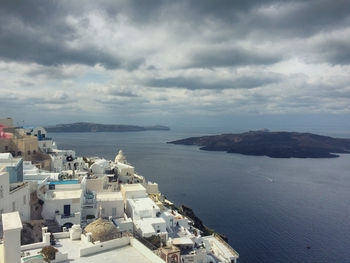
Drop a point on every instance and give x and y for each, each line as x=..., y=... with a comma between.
x=49, y=253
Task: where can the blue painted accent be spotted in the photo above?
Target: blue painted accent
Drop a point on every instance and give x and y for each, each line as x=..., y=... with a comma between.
x=41, y=138
x=115, y=223
x=65, y=182
x=16, y=172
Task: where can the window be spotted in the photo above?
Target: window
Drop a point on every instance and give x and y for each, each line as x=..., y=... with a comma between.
x=13, y=206
x=6, y=148
x=1, y=192
x=114, y=211
x=103, y=211
x=19, y=153
x=24, y=199
x=28, y=152
x=34, y=152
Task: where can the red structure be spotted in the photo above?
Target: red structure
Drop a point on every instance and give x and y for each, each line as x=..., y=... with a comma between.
x=4, y=135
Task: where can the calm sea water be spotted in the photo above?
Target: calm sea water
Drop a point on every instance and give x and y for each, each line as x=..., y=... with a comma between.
x=270, y=209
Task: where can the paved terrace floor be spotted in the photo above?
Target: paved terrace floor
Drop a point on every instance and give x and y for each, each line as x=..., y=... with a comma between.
x=119, y=255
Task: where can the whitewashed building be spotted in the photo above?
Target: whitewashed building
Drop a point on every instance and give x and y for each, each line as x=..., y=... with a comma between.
x=72, y=246
x=62, y=202
x=111, y=204
x=14, y=197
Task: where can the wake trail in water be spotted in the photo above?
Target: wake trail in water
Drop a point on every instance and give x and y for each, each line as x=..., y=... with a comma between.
x=253, y=172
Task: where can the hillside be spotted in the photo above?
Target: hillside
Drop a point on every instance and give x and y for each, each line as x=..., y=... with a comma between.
x=95, y=127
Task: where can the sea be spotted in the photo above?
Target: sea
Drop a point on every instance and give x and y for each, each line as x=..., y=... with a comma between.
x=271, y=210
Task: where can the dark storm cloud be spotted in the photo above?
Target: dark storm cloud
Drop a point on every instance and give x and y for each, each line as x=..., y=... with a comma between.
x=285, y=19
x=37, y=31
x=119, y=93
x=243, y=82
x=335, y=51
x=231, y=56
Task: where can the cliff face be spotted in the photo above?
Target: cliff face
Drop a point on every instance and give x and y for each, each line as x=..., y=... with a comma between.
x=95, y=127
x=272, y=144
x=197, y=223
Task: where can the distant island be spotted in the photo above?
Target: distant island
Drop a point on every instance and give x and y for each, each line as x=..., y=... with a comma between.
x=272, y=144
x=95, y=127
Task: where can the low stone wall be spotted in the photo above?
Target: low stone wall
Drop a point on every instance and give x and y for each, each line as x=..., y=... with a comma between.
x=35, y=245
x=99, y=247
x=60, y=257
x=61, y=235
x=46, y=242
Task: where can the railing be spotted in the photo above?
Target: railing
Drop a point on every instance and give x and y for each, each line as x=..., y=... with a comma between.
x=18, y=187
x=67, y=216
x=145, y=242
x=62, y=219
x=89, y=201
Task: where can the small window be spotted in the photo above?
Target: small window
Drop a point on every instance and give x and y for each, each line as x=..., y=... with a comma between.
x=1, y=192
x=6, y=148
x=103, y=211
x=114, y=211
x=34, y=152
x=19, y=153
x=24, y=199
x=28, y=152
x=13, y=206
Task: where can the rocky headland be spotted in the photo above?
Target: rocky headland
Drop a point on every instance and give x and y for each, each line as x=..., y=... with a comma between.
x=272, y=144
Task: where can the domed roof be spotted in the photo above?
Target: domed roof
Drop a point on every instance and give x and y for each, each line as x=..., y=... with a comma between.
x=120, y=158
x=102, y=230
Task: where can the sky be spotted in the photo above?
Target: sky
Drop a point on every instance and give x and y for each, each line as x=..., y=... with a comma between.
x=247, y=64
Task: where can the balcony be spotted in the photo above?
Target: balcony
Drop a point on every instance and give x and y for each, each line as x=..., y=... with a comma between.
x=89, y=200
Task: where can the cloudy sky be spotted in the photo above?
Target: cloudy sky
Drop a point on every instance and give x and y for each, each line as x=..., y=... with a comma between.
x=240, y=63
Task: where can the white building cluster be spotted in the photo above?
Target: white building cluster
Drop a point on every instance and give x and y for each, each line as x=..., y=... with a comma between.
x=104, y=210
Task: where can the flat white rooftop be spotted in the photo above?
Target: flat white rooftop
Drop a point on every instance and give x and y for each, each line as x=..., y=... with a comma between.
x=133, y=187
x=11, y=221
x=182, y=241
x=117, y=255
x=10, y=162
x=124, y=166
x=142, y=204
x=73, y=194
x=146, y=224
x=5, y=156
x=109, y=196
x=120, y=255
